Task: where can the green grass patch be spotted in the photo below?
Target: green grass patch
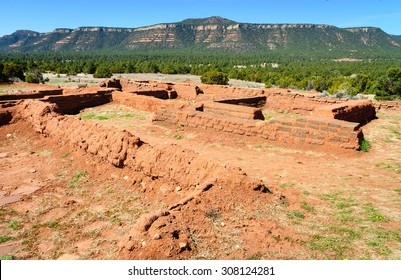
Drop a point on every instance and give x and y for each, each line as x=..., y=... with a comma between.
x=113, y=115
x=53, y=224
x=398, y=191
x=396, y=167
x=76, y=178
x=7, y=258
x=307, y=207
x=286, y=185
x=178, y=137
x=4, y=238
x=65, y=155
x=373, y=214
x=93, y=116
x=14, y=224
x=379, y=239
x=296, y=216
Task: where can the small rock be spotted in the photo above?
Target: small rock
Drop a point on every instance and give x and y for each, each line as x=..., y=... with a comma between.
x=32, y=170
x=177, y=189
x=3, y=155
x=9, y=135
x=157, y=237
x=222, y=224
x=70, y=202
x=125, y=178
x=183, y=246
x=143, y=243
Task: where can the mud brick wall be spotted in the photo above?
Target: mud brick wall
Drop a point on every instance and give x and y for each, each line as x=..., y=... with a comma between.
x=297, y=103
x=300, y=131
x=133, y=86
x=360, y=111
x=187, y=91
x=234, y=111
x=31, y=95
x=228, y=92
x=388, y=105
x=165, y=163
x=145, y=103
x=72, y=104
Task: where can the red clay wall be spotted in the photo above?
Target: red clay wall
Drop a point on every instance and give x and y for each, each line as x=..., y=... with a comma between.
x=145, y=103
x=302, y=131
x=360, y=111
x=72, y=104
x=228, y=92
x=233, y=110
x=187, y=91
x=168, y=163
x=297, y=103
x=31, y=95
x=388, y=105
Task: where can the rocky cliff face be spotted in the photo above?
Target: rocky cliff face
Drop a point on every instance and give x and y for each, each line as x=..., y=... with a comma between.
x=213, y=33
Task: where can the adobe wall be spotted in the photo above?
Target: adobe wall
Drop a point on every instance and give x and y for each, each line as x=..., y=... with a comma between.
x=388, y=105
x=31, y=95
x=187, y=91
x=72, y=104
x=134, y=86
x=233, y=110
x=297, y=103
x=300, y=131
x=167, y=163
x=360, y=111
x=145, y=103
x=228, y=92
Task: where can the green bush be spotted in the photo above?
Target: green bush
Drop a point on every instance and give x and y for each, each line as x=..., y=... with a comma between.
x=365, y=145
x=34, y=76
x=214, y=78
x=102, y=72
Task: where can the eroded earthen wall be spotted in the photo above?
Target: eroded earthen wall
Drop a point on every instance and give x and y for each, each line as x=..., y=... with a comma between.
x=145, y=103
x=72, y=104
x=169, y=163
x=302, y=130
x=31, y=95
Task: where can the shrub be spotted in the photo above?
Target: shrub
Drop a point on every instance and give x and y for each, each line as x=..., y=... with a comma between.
x=365, y=145
x=34, y=76
x=214, y=78
x=102, y=72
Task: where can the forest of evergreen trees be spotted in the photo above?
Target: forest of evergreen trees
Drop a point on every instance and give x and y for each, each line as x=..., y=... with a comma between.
x=377, y=75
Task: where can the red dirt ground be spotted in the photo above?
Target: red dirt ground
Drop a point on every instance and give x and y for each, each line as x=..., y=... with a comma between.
x=59, y=202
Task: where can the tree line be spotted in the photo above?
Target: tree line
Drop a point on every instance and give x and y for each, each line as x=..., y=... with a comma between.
x=379, y=76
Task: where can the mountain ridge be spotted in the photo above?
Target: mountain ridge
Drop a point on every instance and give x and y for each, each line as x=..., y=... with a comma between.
x=207, y=34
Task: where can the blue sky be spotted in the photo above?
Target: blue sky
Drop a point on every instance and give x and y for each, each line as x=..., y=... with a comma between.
x=46, y=15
